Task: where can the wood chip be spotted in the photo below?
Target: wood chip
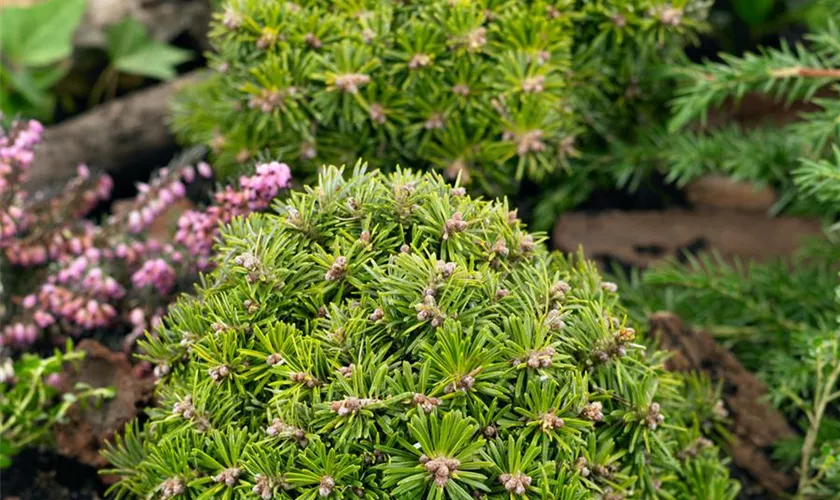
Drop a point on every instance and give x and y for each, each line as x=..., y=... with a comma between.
x=755, y=424
x=722, y=192
x=88, y=427
x=644, y=238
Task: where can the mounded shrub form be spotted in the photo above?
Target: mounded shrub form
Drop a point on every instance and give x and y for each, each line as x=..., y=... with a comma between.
x=496, y=91
x=388, y=336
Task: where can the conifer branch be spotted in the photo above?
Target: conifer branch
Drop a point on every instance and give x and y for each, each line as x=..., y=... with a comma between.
x=806, y=73
x=792, y=72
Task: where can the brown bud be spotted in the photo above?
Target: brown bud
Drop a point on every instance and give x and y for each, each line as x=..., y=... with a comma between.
x=377, y=314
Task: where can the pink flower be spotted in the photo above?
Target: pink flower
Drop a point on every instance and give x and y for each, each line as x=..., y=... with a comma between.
x=43, y=319
x=197, y=230
x=135, y=223
x=29, y=301
x=36, y=128
x=78, y=293
x=157, y=273
x=263, y=187
x=53, y=380
x=188, y=174
x=204, y=170
x=19, y=334
x=178, y=189
x=137, y=317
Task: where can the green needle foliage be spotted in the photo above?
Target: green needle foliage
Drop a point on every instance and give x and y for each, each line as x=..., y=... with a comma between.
x=780, y=319
x=802, y=153
x=388, y=336
x=494, y=90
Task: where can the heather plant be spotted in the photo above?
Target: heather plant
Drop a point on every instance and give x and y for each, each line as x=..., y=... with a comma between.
x=64, y=274
x=495, y=91
x=388, y=336
x=29, y=401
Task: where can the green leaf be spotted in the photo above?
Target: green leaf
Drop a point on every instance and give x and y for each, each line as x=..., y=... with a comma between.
x=125, y=38
x=156, y=60
x=6, y=452
x=45, y=78
x=14, y=106
x=132, y=51
x=753, y=12
x=41, y=34
x=22, y=83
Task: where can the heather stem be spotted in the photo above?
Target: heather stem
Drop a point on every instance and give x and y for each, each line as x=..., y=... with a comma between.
x=33, y=388
x=822, y=397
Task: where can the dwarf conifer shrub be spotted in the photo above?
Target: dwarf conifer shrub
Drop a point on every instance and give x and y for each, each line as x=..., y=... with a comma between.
x=780, y=320
x=496, y=90
x=388, y=336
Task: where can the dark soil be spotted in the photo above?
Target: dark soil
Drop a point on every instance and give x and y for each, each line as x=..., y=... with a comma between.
x=40, y=474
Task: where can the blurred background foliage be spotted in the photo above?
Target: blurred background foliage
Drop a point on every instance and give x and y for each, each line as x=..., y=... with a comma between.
x=47, y=75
